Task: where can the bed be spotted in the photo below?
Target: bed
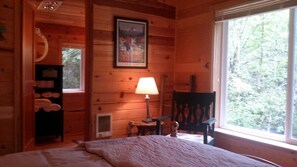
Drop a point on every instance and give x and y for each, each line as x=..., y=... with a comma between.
x=139, y=151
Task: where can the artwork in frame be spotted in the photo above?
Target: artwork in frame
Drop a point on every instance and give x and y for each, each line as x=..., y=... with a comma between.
x=131, y=41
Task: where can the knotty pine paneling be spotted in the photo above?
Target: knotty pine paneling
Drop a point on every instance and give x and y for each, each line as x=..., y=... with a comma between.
x=281, y=156
x=70, y=13
x=73, y=122
x=6, y=94
x=74, y=101
x=56, y=36
x=7, y=78
x=6, y=20
x=113, y=89
x=194, y=35
x=6, y=66
x=7, y=134
x=74, y=113
x=194, y=42
x=6, y=131
x=153, y=7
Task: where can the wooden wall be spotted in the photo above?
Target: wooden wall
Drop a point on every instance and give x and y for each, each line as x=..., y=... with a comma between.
x=8, y=10
x=73, y=103
x=57, y=35
x=194, y=34
x=74, y=113
x=189, y=35
x=279, y=155
x=194, y=49
x=70, y=13
x=113, y=89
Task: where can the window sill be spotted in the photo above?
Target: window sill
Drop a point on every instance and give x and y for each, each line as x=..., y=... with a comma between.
x=73, y=91
x=257, y=139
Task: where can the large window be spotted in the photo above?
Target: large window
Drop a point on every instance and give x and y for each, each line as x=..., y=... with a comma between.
x=73, y=71
x=259, y=75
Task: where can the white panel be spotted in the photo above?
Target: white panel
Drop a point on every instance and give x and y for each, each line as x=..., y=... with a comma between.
x=103, y=125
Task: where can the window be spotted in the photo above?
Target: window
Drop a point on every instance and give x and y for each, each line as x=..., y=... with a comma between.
x=259, y=74
x=73, y=71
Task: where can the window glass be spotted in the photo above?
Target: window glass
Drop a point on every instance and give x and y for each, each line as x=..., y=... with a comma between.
x=295, y=124
x=257, y=61
x=72, y=61
x=294, y=119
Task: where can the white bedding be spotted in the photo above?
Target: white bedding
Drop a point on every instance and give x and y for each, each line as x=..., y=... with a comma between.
x=138, y=151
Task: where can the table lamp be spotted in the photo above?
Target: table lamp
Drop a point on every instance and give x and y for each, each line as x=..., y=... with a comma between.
x=147, y=86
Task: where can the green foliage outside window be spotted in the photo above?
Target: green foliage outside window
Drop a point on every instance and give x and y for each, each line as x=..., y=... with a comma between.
x=71, y=59
x=257, y=72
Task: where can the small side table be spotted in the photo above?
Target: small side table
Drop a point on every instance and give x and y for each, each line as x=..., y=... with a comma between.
x=143, y=128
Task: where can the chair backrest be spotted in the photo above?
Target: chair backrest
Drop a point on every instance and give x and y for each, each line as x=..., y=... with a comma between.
x=190, y=109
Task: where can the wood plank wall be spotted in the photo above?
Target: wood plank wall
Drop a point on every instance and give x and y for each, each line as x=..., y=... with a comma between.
x=7, y=80
x=73, y=103
x=113, y=89
x=194, y=33
x=57, y=35
x=279, y=155
x=194, y=41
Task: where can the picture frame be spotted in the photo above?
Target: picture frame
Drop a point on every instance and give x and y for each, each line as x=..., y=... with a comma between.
x=130, y=43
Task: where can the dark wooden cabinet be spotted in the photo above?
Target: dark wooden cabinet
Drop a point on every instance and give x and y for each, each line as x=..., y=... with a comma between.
x=49, y=101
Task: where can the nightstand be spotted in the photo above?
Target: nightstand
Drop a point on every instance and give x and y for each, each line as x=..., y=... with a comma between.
x=143, y=128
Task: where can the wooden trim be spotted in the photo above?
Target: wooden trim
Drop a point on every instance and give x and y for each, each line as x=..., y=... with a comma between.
x=17, y=76
x=151, y=7
x=30, y=145
x=27, y=76
x=88, y=71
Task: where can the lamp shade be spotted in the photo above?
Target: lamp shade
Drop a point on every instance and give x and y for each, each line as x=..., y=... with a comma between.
x=147, y=86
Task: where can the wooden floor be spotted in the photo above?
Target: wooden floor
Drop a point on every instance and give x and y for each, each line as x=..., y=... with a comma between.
x=53, y=142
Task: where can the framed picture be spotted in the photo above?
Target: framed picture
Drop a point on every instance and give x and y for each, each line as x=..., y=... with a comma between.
x=131, y=42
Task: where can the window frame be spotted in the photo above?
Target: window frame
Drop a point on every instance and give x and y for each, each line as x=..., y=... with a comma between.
x=82, y=66
x=291, y=73
x=221, y=40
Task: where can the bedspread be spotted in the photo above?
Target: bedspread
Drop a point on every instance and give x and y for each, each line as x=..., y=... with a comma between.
x=140, y=151
x=155, y=151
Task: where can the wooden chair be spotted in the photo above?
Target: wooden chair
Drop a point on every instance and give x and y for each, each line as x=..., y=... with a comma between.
x=194, y=113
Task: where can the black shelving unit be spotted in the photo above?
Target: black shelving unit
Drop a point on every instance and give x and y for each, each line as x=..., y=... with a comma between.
x=49, y=85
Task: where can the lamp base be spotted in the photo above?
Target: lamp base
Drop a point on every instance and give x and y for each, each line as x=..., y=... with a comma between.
x=148, y=120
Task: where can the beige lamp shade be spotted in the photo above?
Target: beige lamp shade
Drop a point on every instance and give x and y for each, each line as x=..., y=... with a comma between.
x=147, y=86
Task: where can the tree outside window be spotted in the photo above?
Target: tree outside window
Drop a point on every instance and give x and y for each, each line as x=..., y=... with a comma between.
x=257, y=63
x=72, y=69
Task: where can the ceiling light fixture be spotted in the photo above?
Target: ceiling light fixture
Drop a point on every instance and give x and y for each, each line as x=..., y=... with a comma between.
x=50, y=5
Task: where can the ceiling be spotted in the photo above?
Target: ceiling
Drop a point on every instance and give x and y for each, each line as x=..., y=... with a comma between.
x=71, y=13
